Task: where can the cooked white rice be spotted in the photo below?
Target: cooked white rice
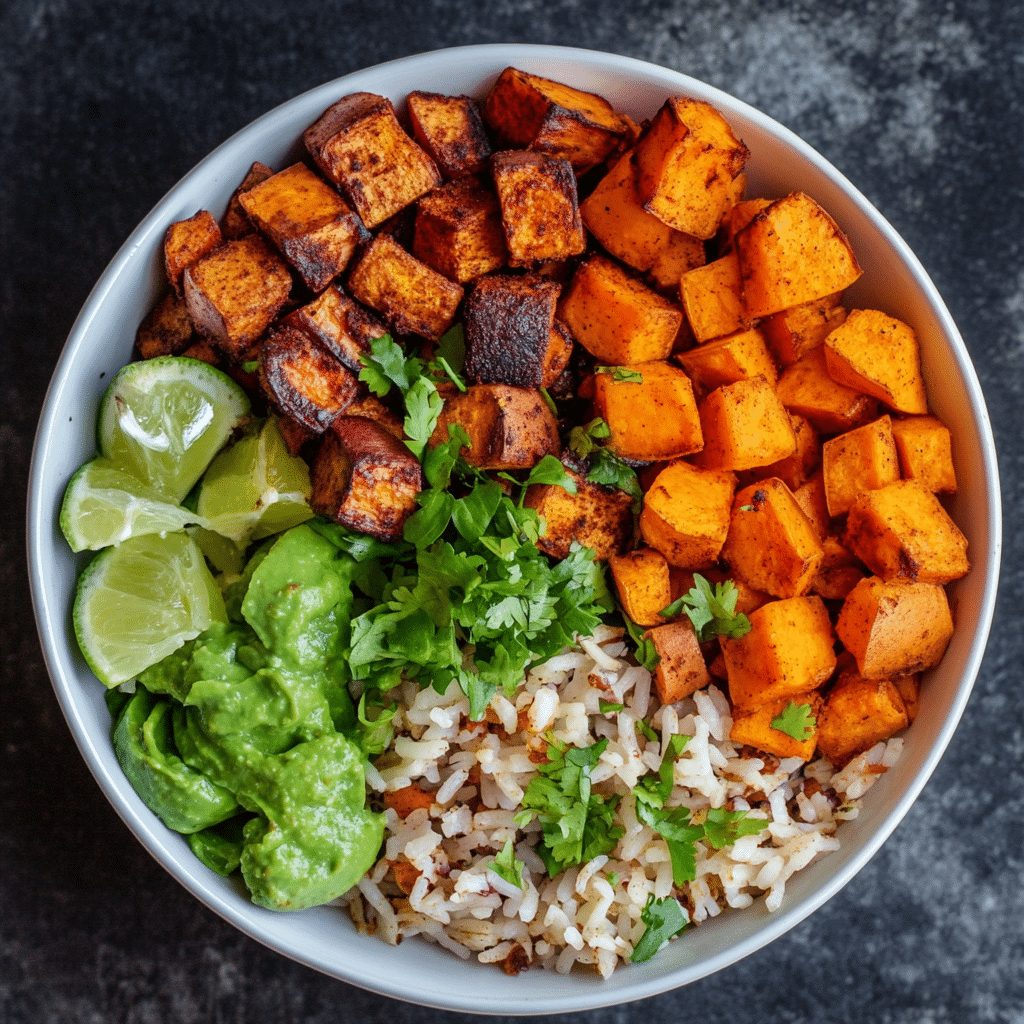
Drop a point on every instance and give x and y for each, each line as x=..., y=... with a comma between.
x=434, y=878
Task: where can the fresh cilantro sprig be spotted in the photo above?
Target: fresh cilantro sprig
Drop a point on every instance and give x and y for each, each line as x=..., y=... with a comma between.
x=605, y=467
x=621, y=374
x=665, y=919
x=506, y=865
x=576, y=823
x=646, y=653
x=712, y=611
x=796, y=721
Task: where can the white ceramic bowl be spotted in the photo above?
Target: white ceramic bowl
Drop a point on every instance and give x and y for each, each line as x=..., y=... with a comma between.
x=101, y=341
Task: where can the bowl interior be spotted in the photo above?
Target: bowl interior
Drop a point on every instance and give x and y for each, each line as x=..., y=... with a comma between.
x=101, y=341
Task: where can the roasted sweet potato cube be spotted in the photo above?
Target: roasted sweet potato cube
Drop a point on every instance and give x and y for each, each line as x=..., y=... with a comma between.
x=185, y=241
x=459, y=232
x=360, y=146
x=293, y=433
x=682, y=254
x=681, y=669
x=713, y=300
x=924, y=447
x=788, y=651
x=860, y=460
x=530, y=112
x=616, y=317
x=451, y=130
x=508, y=428
x=413, y=298
x=303, y=381
x=902, y=532
x=166, y=329
x=374, y=409
x=643, y=583
x=686, y=164
x=834, y=582
x=737, y=218
x=340, y=325
x=736, y=357
x=745, y=425
x=793, y=252
x=686, y=514
x=233, y=292
x=365, y=478
x=557, y=356
x=597, y=517
x=771, y=545
x=807, y=389
x=857, y=714
x=650, y=411
x=539, y=207
x=810, y=496
x=895, y=628
x=794, y=332
x=747, y=598
x=235, y=223
x=796, y=469
x=315, y=229
x=880, y=356
x=508, y=323
x=755, y=729
x=203, y=350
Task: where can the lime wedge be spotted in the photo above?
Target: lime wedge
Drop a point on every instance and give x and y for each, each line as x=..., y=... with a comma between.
x=163, y=420
x=104, y=505
x=140, y=601
x=255, y=488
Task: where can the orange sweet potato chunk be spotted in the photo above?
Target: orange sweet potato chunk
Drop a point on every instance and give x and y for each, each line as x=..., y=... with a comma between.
x=925, y=450
x=745, y=425
x=736, y=357
x=643, y=583
x=807, y=389
x=860, y=460
x=681, y=669
x=857, y=714
x=185, y=241
x=794, y=332
x=754, y=728
x=712, y=298
x=451, y=130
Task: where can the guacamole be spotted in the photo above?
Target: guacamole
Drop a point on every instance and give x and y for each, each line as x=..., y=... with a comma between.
x=246, y=738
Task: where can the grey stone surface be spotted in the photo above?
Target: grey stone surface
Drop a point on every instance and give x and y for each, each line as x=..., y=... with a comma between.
x=105, y=104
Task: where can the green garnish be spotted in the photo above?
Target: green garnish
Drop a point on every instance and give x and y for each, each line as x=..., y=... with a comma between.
x=712, y=612
x=796, y=721
x=505, y=865
x=665, y=919
x=646, y=653
x=622, y=374
x=605, y=466
x=608, y=707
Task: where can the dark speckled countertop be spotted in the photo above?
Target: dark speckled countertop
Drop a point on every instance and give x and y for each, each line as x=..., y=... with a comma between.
x=104, y=104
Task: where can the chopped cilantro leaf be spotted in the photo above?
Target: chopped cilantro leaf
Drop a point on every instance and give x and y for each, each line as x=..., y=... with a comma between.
x=665, y=919
x=646, y=654
x=251, y=365
x=622, y=374
x=608, y=707
x=505, y=865
x=644, y=726
x=584, y=439
x=613, y=878
x=723, y=828
x=796, y=721
x=712, y=612
x=386, y=365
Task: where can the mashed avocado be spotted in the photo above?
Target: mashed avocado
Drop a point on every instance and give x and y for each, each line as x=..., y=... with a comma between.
x=243, y=738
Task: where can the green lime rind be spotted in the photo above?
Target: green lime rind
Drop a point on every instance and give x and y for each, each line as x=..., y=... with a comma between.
x=103, y=505
x=140, y=601
x=163, y=420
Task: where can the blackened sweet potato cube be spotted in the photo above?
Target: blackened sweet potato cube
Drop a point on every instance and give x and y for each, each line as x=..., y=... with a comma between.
x=293, y=433
x=558, y=354
x=235, y=223
x=459, y=232
x=451, y=130
x=315, y=229
x=360, y=146
x=539, y=207
x=339, y=324
x=365, y=478
x=234, y=292
x=303, y=381
x=166, y=329
x=508, y=330
x=185, y=241
x=413, y=298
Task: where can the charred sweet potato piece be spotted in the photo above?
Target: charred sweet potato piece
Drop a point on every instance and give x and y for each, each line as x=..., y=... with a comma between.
x=895, y=628
x=597, y=517
x=880, y=356
x=360, y=146
x=304, y=382
x=340, y=325
x=857, y=714
x=643, y=583
x=713, y=299
x=925, y=450
x=557, y=356
x=735, y=357
x=166, y=330
x=293, y=433
x=616, y=317
x=650, y=411
x=788, y=652
x=185, y=241
x=539, y=207
x=794, y=332
x=860, y=460
x=771, y=545
x=508, y=322
x=451, y=130
x=755, y=729
x=235, y=223
x=365, y=478
x=793, y=252
x=681, y=669
x=807, y=389
x=530, y=112
x=687, y=162
x=315, y=229
x=902, y=532
x=233, y=292
x=508, y=428
x=374, y=409
x=459, y=232
x=413, y=298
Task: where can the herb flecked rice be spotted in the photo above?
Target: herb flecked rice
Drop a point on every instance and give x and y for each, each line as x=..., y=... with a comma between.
x=445, y=870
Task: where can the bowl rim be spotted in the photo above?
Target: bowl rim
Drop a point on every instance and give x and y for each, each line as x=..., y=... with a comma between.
x=49, y=620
